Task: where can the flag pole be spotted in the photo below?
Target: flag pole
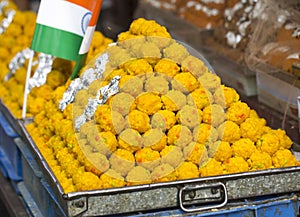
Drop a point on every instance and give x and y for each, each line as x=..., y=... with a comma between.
x=26, y=90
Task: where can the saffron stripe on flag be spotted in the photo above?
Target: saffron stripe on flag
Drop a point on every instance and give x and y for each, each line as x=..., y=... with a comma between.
x=94, y=6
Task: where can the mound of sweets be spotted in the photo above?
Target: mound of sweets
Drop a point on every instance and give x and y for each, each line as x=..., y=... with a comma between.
x=170, y=119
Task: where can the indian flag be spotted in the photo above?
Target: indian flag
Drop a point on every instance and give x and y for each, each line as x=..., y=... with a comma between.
x=65, y=29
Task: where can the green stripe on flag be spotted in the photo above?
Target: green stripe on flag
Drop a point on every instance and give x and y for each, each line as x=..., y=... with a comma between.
x=56, y=42
x=59, y=43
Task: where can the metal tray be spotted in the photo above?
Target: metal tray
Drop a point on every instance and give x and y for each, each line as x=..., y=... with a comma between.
x=192, y=195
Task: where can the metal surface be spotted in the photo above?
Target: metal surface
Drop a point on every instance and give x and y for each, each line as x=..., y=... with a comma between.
x=206, y=194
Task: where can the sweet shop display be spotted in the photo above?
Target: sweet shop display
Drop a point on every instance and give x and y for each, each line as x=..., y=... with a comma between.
x=148, y=123
x=170, y=111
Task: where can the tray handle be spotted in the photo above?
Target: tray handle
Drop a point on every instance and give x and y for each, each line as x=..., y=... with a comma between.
x=188, y=196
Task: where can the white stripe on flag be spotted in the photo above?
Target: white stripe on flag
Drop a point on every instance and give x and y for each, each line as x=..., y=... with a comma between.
x=86, y=42
x=63, y=15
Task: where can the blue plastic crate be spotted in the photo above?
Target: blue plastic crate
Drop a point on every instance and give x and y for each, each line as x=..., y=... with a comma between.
x=35, y=187
x=10, y=156
x=276, y=206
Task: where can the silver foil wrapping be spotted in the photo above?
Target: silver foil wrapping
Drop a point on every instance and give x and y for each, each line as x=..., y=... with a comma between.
x=296, y=33
x=200, y=7
x=39, y=77
x=9, y=16
x=102, y=96
x=249, y=13
x=233, y=39
x=3, y=4
x=18, y=61
x=90, y=75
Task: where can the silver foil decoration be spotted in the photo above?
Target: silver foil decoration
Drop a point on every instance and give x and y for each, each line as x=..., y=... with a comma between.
x=201, y=7
x=39, y=77
x=9, y=16
x=70, y=93
x=243, y=27
x=233, y=39
x=296, y=33
x=17, y=61
x=102, y=96
x=230, y=13
x=250, y=12
x=84, y=81
x=3, y=4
